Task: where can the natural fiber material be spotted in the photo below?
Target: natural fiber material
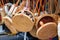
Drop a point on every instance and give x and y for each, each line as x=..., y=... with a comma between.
x=59, y=38
x=8, y=23
x=22, y=23
x=2, y=13
x=50, y=26
x=33, y=32
x=58, y=28
x=48, y=30
x=51, y=15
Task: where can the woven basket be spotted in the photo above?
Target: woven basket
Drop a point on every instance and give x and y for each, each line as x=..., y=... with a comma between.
x=36, y=32
x=48, y=30
x=23, y=22
x=8, y=23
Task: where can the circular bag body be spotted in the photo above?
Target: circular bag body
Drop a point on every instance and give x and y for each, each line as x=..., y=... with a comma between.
x=35, y=32
x=8, y=23
x=47, y=30
x=23, y=22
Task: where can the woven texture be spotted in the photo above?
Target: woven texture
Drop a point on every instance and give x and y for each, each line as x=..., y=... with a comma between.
x=47, y=30
x=22, y=23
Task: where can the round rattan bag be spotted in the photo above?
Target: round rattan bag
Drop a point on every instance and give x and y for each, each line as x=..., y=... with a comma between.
x=46, y=26
x=23, y=21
